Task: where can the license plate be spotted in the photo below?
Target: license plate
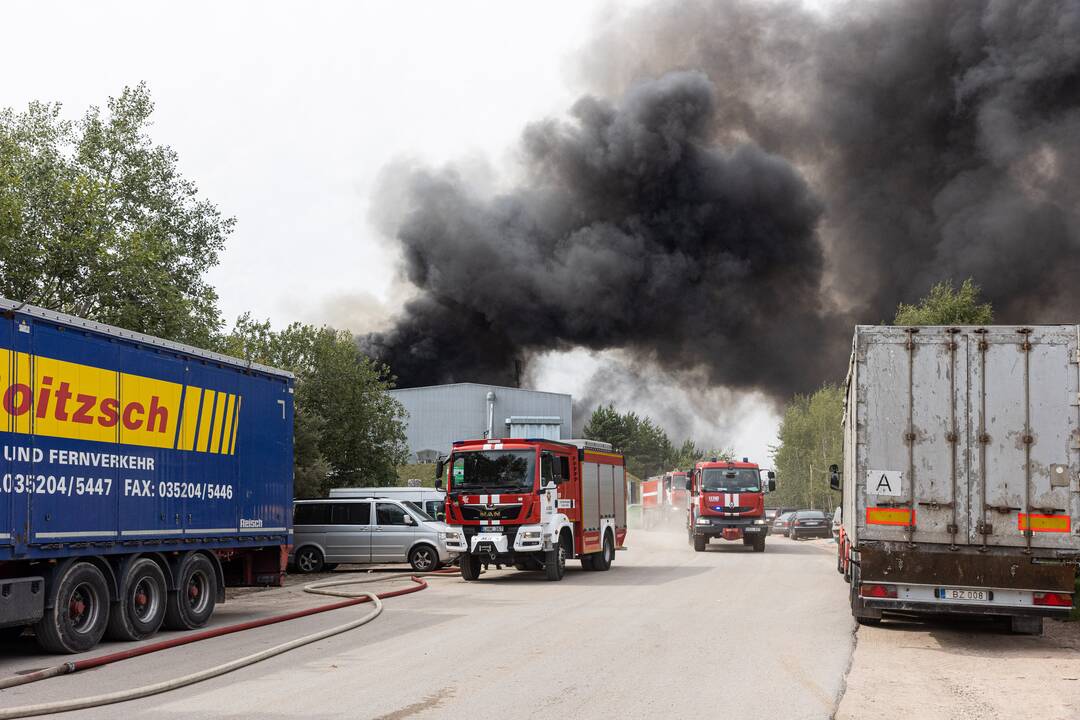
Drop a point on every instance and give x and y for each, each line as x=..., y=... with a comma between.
x=963, y=594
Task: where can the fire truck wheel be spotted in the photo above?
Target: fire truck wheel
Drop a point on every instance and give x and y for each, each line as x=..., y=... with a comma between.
x=193, y=602
x=80, y=611
x=555, y=561
x=700, y=541
x=470, y=566
x=759, y=543
x=141, y=608
x=603, y=561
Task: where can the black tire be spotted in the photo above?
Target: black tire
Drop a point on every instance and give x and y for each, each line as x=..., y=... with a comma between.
x=700, y=541
x=140, y=609
x=424, y=558
x=80, y=611
x=588, y=561
x=555, y=561
x=193, y=602
x=759, y=543
x=602, y=561
x=857, y=604
x=470, y=566
x=308, y=559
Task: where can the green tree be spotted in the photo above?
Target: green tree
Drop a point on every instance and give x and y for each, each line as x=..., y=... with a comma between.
x=348, y=429
x=96, y=221
x=642, y=442
x=947, y=306
x=811, y=438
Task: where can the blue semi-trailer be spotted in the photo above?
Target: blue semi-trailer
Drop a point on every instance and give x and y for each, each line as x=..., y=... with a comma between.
x=138, y=478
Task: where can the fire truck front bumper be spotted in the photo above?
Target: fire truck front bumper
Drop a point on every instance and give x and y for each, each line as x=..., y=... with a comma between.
x=502, y=544
x=730, y=528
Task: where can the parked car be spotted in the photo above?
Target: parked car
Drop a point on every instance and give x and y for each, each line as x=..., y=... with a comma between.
x=367, y=530
x=770, y=517
x=836, y=524
x=809, y=523
x=780, y=524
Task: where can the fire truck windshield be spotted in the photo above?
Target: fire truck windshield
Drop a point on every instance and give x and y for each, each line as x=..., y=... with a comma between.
x=493, y=470
x=730, y=480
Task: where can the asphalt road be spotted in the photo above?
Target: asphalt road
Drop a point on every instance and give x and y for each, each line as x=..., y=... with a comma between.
x=667, y=632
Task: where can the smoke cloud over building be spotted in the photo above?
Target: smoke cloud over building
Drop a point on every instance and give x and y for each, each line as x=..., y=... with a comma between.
x=745, y=180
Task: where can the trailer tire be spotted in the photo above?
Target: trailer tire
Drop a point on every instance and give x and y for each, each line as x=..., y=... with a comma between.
x=424, y=558
x=80, y=612
x=192, y=604
x=140, y=609
x=862, y=615
x=470, y=566
x=759, y=544
x=308, y=559
x=700, y=541
x=555, y=561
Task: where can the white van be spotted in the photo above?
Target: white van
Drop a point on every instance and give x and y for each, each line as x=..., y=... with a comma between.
x=430, y=500
x=363, y=530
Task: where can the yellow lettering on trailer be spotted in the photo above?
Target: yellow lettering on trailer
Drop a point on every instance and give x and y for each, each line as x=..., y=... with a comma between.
x=56, y=398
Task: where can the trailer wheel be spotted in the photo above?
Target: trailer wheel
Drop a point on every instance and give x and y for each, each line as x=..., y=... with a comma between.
x=308, y=560
x=193, y=602
x=555, y=561
x=700, y=541
x=424, y=558
x=80, y=611
x=759, y=543
x=862, y=614
x=470, y=566
x=141, y=608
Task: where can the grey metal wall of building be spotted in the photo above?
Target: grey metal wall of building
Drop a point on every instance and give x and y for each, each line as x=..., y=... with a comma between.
x=441, y=414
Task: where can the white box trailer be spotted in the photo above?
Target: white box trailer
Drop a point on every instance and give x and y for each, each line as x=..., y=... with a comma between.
x=961, y=490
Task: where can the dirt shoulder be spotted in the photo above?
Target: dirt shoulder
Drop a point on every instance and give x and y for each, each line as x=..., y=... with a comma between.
x=964, y=669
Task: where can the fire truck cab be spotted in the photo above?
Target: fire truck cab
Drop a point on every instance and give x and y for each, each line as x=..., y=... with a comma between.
x=534, y=504
x=727, y=500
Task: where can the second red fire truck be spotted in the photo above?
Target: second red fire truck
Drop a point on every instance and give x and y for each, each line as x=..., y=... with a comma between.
x=727, y=500
x=664, y=500
x=534, y=504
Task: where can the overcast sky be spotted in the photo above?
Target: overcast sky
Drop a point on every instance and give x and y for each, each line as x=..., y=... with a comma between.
x=284, y=114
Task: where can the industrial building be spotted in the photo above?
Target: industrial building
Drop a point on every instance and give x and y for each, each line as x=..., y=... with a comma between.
x=440, y=414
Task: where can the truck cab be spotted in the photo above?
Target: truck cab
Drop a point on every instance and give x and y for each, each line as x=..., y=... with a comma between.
x=534, y=504
x=727, y=501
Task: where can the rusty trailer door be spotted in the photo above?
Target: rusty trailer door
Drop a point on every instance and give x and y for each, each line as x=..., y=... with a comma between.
x=911, y=472
x=1024, y=432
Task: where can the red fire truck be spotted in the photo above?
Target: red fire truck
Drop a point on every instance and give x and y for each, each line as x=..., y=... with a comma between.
x=664, y=500
x=727, y=500
x=534, y=504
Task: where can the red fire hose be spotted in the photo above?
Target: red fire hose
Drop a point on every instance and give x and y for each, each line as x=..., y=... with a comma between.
x=317, y=588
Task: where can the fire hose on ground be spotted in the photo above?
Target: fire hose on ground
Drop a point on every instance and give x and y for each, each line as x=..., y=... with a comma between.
x=318, y=588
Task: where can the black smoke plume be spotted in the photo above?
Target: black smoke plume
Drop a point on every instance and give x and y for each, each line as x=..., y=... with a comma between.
x=764, y=176
x=629, y=229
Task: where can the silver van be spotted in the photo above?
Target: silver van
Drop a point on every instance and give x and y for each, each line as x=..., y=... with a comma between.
x=430, y=500
x=367, y=530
